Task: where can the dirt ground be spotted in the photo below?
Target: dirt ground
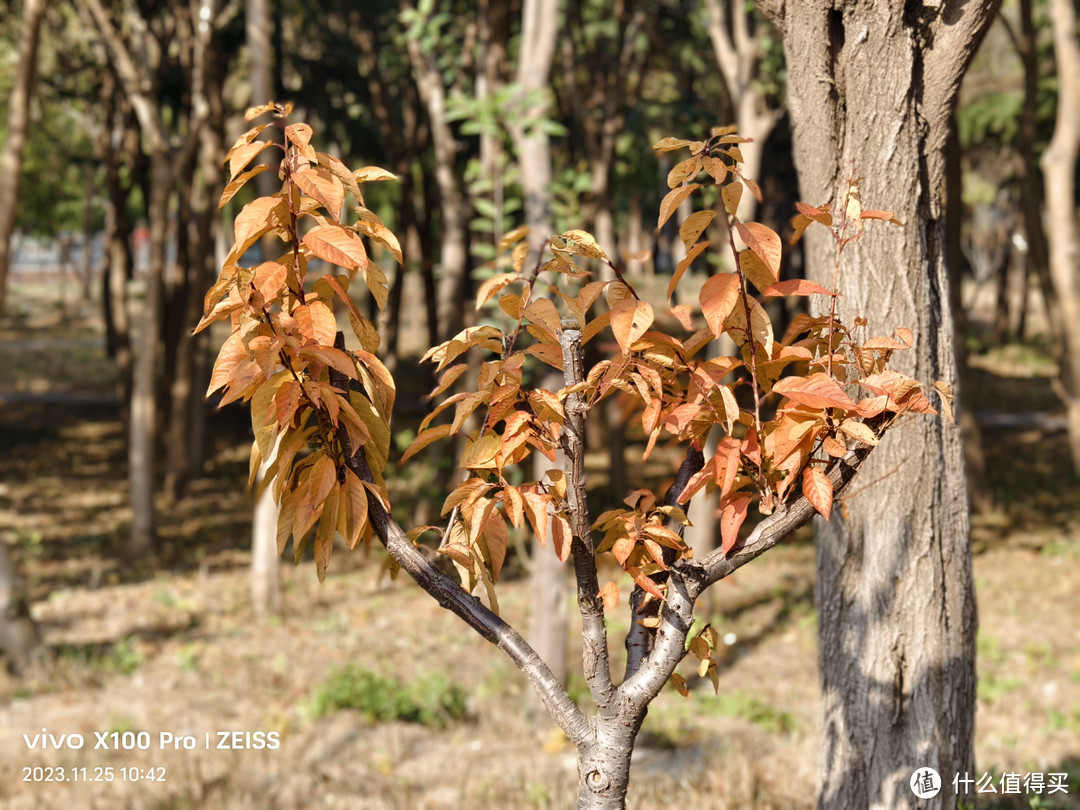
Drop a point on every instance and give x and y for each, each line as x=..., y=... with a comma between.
x=172, y=645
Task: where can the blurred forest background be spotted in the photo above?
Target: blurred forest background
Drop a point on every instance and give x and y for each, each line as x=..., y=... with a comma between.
x=136, y=583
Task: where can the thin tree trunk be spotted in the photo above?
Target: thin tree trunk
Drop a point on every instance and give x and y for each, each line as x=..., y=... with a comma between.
x=17, y=125
x=974, y=457
x=183, y=459
x=549, y=619
x=142, y=439
x=1059, y=171
x=871, y=88
x=1031, y=192
x=453, y=253
x=265, y=564
x=18, y=633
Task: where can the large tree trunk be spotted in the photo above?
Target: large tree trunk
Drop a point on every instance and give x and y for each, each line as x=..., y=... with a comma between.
x=871, y=88
x=18, y=122
x=1059, y=172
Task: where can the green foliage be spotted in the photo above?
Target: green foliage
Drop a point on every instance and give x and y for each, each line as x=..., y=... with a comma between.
x=430, y=701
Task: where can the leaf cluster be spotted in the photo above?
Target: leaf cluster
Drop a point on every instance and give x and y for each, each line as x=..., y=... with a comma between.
x=314, y=404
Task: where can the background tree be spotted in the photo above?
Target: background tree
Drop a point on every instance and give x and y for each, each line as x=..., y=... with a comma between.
x=17, y=124
x=1059, y=171
x=894, y=590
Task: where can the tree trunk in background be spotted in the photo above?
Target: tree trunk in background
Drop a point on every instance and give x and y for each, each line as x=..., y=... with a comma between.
x=738, y=54
x=1059, y=173
x=971, y=433
x=1031, y=191
x=871, y=88
x=265, y=563
x=453, y=254
x=17, y=125
x=549, y=615
x=183, y=460
x=18, y=633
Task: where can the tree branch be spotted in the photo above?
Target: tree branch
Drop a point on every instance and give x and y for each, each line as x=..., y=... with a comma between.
x=689, y=578
x=640, y=639
x=594, y=649
x=465, y=606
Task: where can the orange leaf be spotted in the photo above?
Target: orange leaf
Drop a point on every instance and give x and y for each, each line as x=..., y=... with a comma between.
x=257, y=218
x=492, y=286
x=797, y=286
x=764, y=242
x=610, y=595
x=630, y=319
x=321, y=185
x=718, y=296
x=233, y=353
x=243, y=155
x=237, y=184
x=316, y=322
x=337, y=245
x=691, y=254
x=818, y=391
x=732, y=515
x=817, y=488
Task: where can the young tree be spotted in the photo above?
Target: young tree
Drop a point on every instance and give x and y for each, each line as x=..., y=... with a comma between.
x=791, y=444
x=871, y=88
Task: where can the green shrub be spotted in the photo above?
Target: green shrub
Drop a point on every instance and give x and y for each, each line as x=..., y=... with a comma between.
x=430, y=701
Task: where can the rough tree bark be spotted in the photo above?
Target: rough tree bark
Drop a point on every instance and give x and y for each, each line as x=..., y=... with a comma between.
x=871, y=88
x=1059, y=173
x=17, y=125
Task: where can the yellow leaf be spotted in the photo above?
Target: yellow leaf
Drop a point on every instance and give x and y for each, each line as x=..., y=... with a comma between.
x=669, y=144
x=492, y=286
x=673, y=200
x=694, y=225
x=755, y=270
x=372, y=174
x=731, y=194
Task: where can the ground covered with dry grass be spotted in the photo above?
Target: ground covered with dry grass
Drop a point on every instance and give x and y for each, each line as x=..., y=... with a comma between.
x=379, y=699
